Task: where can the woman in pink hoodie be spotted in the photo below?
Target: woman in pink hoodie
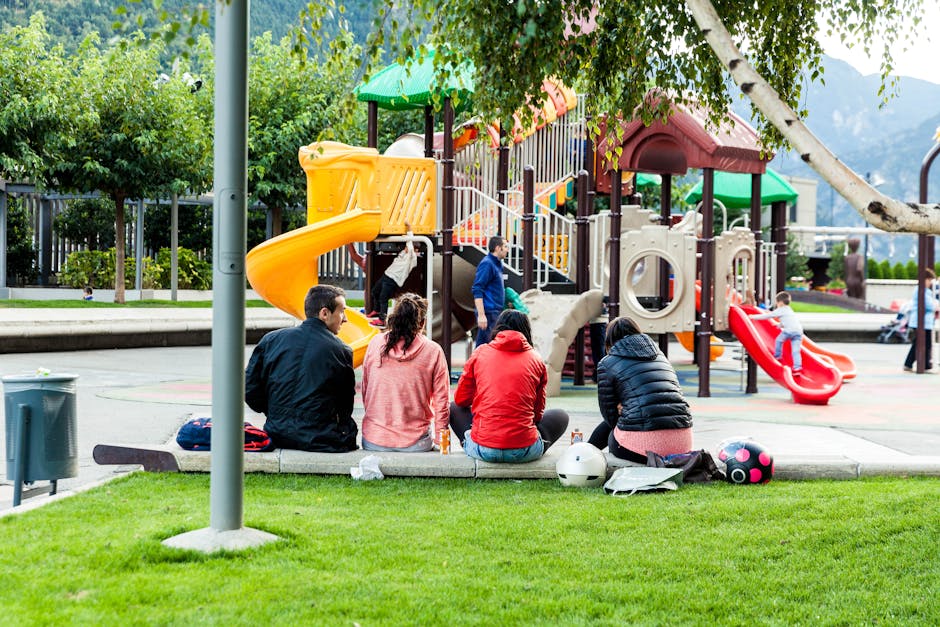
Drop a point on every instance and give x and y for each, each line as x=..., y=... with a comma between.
x=405, y=384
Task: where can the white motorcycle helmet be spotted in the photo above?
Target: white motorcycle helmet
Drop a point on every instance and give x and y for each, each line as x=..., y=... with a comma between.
x=582, y=466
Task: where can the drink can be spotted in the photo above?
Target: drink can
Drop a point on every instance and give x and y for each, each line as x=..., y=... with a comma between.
x=577, y=436
x=445, y=442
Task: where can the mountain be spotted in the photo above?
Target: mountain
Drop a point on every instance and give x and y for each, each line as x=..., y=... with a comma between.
x=885, y=143
x=68, y=21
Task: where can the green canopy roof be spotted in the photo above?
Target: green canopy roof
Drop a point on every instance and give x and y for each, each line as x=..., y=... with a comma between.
x=412, y=84
x=644, y=180
x=734, y=190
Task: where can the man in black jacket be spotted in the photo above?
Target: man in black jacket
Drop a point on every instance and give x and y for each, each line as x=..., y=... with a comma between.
x=302, y=379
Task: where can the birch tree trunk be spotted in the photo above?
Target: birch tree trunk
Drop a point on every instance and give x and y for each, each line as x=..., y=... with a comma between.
x=877, y=209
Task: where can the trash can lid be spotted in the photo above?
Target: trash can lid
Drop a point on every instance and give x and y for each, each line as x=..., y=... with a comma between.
x=38, y=378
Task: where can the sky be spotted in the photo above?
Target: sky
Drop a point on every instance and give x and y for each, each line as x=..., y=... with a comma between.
x=921, y=60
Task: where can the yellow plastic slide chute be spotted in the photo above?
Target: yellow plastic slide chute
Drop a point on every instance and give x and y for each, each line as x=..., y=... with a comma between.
x=282, y=269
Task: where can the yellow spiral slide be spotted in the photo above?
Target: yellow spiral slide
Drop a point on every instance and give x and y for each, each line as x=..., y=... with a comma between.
x=282, y=269
x=353, y=195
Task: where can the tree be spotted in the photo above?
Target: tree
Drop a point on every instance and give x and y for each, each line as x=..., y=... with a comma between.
x=836, y=268
x=88, y=220
x=21, y=256
x=33, y=106
x=876, y=208
x=293, y=100
x=796, y=262
x=141, y=136
x=194, y=227
x=619, y=51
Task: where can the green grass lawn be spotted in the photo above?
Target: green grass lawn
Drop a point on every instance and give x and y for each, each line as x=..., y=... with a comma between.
x=814, y=308
x=441, y=552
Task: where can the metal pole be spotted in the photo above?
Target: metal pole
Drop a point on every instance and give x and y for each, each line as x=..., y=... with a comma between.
x=372, y=125
x=3, y=236
x=139, y=250
x=589, y=155
x=613, y=299
x=502, y=175
x=428, y=131
x=704, y=334
x=582, y=276
x=174, y=245
x=45, y=240
x=447, y=232
x=751, y=385
x=228, y=275
x=778, y=227
x=920, y=351
x=528, y=226
x=925, y=246
x=665, y=210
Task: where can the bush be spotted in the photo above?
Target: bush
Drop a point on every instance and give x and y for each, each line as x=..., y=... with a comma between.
x=795, y=260
x=21, y=255
x=96, y=268
x=911, y=269
x=886, y=271
x=874, y=269
x=193, y=273
x=836, y=269
x=89, y=221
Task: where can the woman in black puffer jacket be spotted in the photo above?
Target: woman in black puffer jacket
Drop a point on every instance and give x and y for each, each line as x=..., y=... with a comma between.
x=639, y=397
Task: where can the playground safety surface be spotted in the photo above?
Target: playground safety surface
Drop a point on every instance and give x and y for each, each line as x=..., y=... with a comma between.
x=882, y=423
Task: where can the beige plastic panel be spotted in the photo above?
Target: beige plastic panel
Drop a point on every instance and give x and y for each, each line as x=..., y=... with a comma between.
x=733, y=249
x=678, y=250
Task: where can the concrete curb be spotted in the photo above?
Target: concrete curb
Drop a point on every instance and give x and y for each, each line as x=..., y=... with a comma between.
x=19, y=336
x=458, y=465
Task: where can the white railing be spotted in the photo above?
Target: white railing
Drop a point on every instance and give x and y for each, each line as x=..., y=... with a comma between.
x=478, y=217
x=600, y=251
x=554, y=236
x=556, y=152
x=768, y=264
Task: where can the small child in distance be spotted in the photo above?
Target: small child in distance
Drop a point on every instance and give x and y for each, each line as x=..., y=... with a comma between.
x=790, y=330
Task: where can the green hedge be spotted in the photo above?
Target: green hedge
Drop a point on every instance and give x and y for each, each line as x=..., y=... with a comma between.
x=192, y=272
x=96, y=268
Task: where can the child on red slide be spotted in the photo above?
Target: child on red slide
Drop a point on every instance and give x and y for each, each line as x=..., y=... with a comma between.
x=790, y=330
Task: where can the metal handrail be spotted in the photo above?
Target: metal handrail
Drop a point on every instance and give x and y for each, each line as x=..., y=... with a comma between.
x=483, y=217
x=554, y=225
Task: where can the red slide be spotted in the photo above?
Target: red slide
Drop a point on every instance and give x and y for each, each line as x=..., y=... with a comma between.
x=843, y=362
x=819, y=381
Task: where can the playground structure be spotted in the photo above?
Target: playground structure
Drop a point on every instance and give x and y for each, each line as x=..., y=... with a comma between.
x=457, y=193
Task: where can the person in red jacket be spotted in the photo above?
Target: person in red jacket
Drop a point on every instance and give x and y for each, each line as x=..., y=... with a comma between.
x=498, y=413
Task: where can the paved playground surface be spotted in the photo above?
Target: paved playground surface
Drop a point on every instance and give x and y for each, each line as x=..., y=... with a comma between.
x=885, y=421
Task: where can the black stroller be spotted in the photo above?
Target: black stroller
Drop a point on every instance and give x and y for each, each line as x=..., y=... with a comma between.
x=897, y=331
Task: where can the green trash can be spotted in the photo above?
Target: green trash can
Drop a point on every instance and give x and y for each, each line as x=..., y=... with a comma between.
x=41, y=430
